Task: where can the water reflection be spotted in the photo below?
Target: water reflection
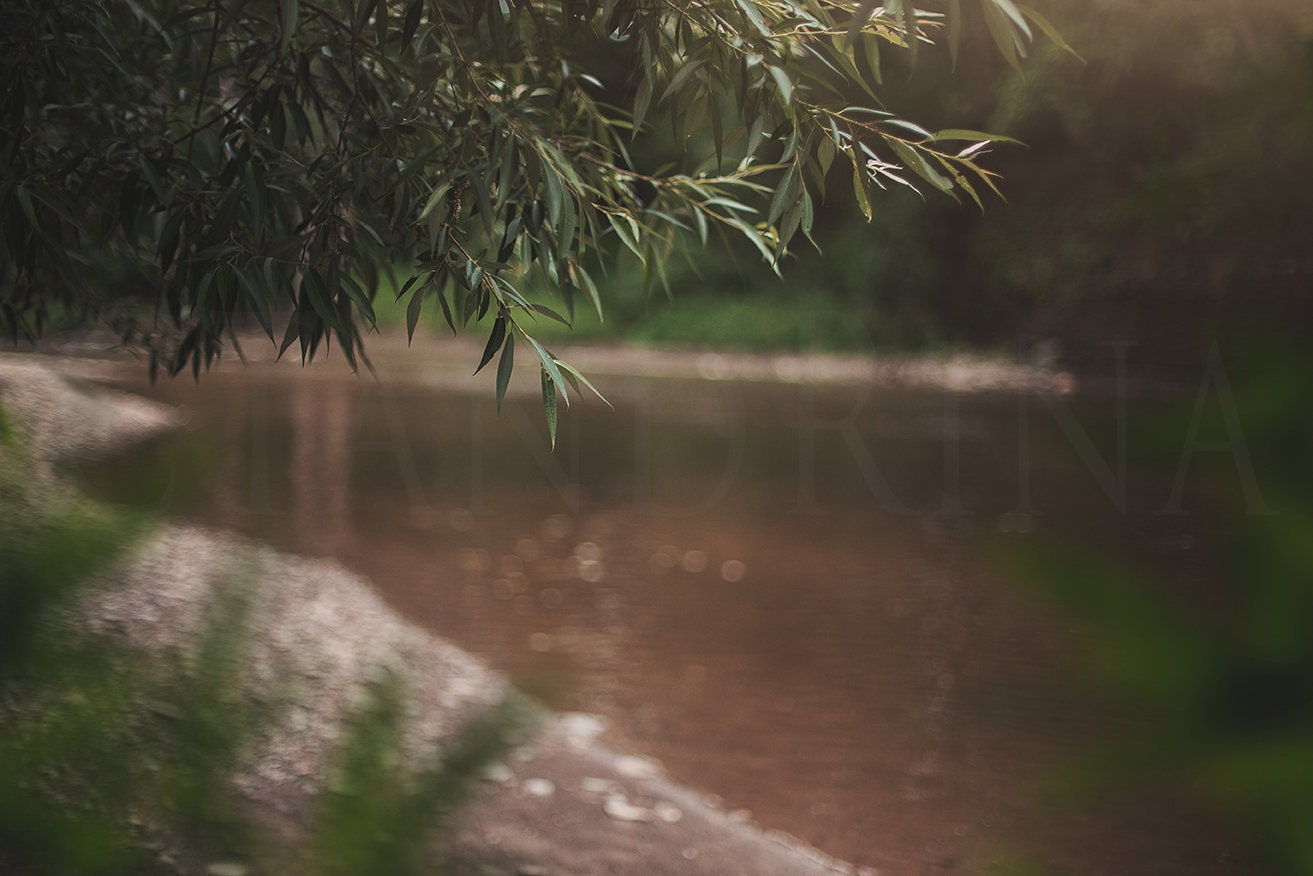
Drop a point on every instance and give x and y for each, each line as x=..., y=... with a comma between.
x=779, y=590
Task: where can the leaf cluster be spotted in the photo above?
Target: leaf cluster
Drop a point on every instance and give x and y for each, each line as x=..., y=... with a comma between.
x=245, y=163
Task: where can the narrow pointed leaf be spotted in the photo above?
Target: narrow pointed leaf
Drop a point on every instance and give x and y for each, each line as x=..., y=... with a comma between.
x=505, y=365
x=682, y=76
x=287, y=25
x=859, y=190
x=494, y=342
x=954, y=29
x=860, y=17
x=549, y=366
x=412, y=314
x=1047, y=28
x=575, y=373
x=642, y=99
x=784, y=83
x=549, y=313
x=549, y=403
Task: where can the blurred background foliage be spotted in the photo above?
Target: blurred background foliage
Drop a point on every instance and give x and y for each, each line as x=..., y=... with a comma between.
x=1160, y=195
x=1208, y=660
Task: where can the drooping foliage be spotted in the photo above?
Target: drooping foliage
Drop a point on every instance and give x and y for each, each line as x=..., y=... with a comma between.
x=184, y=168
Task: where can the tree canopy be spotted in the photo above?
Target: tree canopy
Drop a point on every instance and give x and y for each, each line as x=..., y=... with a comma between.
x=180, y=168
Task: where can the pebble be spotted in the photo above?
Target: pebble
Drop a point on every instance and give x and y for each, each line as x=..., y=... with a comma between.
x=496, y=772
x=594, y=785
x=636, y=767
x=668, y=812
x=538, y=787
x=623, y=810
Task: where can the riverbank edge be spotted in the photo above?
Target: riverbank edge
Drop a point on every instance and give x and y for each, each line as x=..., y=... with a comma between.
x=560, y=804
x=457, y=355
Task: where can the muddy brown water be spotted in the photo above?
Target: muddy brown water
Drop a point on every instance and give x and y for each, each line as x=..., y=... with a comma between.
x=786, y=593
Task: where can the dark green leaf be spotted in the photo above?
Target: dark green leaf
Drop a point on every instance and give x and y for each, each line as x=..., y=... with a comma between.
x=287, y=27
x=954, y=28
x=549, y=403
x=549, y=365
x=504, y=367
x=574, y=374
x=860, y=16
x=681, y=76
x=446, y=310
x=916, y=162
x=642, y=99
x=549, y=313
x=406, y=286
x=495, y=340
x=412, y=313
x=784, y=84
x=411, y=22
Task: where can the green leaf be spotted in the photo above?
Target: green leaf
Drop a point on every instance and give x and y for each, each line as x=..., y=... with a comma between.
x=965, y=134
x=504, y=367
x=911, y=127
x=317, y=291
x=549, y=404
x=1048, y=29
x=916, y=163
x=291, y=10
x=412, y=313
x=717, y=134
x=446, y=310
x=591, y=288
x=555, y=195
x=565, y=228
x=495, y=340
x=789, y=223
x=808, y=217
x=291, y=334
x=414, y=278
x=549, y=366
x=642, y=99
x=859, y=191
x=572, y=372
x=629, y=237
x=860, y=16
x=682, y=76
x=872, y=53
x=1001, y=32
x=785, y=195
x=1008, y=8
x=259, y=302
x=434, y=199
x=411, y=22
x=549, y=313
x=481, y=197
x=753, y=15
x=784, y=83
x=954, y=29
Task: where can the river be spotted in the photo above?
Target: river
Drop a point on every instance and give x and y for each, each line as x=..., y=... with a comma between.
x=784, y=590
